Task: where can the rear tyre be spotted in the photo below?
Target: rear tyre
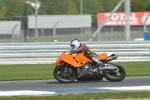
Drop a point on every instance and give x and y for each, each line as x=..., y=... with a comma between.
x=113, y=75
x=64, y=75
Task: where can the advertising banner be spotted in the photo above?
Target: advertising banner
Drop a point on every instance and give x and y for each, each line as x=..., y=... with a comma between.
x=9, y=27
x=64, y=21
x=119, y=19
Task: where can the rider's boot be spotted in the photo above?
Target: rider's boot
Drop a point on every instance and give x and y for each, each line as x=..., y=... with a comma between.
x=98, y=64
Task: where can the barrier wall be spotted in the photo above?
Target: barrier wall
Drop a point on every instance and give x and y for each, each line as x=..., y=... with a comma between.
x=47, y=52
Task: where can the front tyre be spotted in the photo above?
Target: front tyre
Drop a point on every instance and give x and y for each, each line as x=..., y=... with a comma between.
x=64, y=75
x=115, y=75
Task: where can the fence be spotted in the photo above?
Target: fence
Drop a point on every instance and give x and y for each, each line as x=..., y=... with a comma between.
x=48, y=52
x=19, y=10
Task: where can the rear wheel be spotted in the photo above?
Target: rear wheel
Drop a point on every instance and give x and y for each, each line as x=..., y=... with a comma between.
x=115, y=75
x=64, y=74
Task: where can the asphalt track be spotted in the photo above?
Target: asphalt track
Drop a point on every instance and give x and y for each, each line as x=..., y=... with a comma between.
x=53, y=86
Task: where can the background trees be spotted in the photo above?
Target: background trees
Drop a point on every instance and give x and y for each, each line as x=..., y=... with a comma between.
x=14, y=9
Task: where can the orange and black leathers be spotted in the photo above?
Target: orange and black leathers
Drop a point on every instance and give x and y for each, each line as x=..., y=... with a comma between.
x=86, y=51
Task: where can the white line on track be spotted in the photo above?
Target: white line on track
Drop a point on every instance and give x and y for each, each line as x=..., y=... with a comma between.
x=126, y=88
x=79, y=90
x=24, y=92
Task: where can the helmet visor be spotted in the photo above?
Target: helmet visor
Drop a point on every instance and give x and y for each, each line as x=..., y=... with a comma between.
x=72, y=46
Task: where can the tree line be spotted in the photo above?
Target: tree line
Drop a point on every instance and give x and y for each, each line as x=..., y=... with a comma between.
x=17, y=9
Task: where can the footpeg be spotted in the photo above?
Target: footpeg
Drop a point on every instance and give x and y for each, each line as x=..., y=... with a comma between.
x=95, y=71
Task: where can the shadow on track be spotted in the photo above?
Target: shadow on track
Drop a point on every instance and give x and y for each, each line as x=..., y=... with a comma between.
x=94, y=81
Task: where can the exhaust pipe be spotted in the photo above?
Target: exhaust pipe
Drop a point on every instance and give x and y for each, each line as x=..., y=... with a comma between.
x=112, y=57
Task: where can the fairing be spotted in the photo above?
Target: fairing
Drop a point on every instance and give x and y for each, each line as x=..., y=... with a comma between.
x=76, y=60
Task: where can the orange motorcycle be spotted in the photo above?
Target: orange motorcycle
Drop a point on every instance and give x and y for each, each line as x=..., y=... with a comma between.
x=71, y=67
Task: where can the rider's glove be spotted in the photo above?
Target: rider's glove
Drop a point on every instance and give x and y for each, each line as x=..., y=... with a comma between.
x=73, y=51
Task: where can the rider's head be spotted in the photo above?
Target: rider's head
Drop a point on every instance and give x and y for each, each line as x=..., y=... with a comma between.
x=75, y=44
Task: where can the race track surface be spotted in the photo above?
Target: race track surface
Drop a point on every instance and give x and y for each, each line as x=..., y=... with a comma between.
x=53, y=86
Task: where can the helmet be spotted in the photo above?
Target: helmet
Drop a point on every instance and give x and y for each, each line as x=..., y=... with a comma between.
x=75, y=44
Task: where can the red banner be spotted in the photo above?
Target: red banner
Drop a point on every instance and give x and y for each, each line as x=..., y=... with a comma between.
x=118, y=19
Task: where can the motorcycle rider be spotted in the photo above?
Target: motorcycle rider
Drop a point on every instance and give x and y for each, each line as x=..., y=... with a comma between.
x=78, y=47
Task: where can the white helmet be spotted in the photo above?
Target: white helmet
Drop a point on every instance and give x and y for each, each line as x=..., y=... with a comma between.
x=75, y=44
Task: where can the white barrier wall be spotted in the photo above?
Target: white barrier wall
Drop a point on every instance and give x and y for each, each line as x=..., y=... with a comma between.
x=48, y=52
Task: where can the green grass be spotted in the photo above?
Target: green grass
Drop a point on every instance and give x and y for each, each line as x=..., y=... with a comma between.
x=26, y=72
x=137, y=68
x=45, y=71
x=85, y=96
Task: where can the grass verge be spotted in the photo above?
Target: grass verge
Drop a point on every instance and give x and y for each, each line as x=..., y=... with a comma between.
x=87, y=96
x=45, y=71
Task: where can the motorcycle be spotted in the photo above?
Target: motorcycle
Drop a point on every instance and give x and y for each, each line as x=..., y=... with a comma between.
x=71, y=67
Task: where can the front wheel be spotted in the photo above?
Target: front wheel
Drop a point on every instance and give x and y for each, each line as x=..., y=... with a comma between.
x=64, y=75
x=114, y=75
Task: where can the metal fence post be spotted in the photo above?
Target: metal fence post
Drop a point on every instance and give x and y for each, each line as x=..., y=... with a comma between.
x=54, y=31
x=145, y=26
x=42, y=33
x=13, y=34
x=127, y=12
